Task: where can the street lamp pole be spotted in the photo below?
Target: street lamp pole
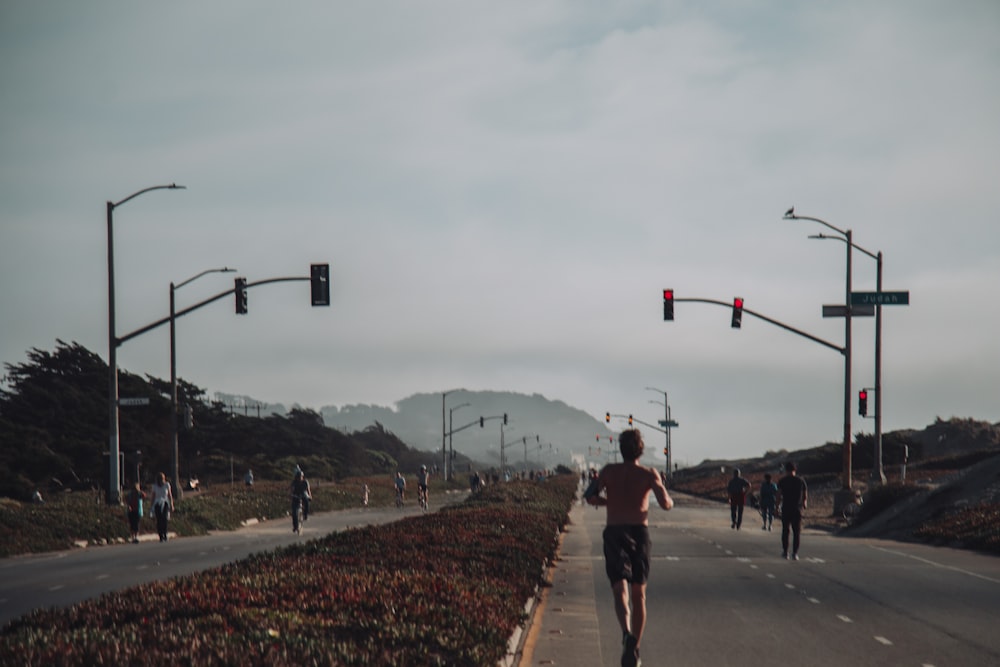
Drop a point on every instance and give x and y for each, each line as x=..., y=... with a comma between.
x=444, y=433
x=174, y=459
x=450, y=460
x=878, y=471
x=790, y=215
x=114, y=474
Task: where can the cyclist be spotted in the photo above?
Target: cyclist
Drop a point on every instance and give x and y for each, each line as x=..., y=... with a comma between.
x=422, y=486
x=400, y=489
x=300, y=499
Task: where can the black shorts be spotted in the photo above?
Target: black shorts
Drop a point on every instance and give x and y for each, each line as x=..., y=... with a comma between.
x=626, y=553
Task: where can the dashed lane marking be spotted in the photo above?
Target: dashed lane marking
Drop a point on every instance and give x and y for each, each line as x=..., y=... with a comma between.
x=883, y=640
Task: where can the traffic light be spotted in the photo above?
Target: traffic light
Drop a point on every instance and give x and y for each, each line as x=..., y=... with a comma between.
x=737, y=312
x=241, y=296
x=188, y=418
x=482, y=422
x=505, y=418
x=607, y=417
x=665, y=451
x=630, y=420
x=863, y=403
x=319, y=279
x=668, y=304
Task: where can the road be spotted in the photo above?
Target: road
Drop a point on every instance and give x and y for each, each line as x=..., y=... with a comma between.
x=66, y=577
x=722, y=597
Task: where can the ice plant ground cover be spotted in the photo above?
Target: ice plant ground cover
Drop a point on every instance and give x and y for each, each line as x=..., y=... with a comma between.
x=447, y=588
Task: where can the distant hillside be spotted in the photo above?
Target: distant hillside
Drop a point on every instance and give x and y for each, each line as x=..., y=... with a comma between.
x=552, y=428
x=944, y=439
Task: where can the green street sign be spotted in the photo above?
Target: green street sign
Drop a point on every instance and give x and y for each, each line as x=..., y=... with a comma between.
x=880, y=298
x=665, y=423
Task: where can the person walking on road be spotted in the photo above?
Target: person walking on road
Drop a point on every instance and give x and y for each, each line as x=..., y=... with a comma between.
x=768, y=494
x=737, y=490
x=623, y=488
x=793, y=495
x=163, y=505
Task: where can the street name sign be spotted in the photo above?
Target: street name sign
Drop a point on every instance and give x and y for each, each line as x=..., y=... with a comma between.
x=864, y=310
x=880, y=298
x=133, y=401
x=664, y=423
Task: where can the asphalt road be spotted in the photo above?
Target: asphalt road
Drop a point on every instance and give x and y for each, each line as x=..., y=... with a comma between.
x=722, y=597
x=66, y=577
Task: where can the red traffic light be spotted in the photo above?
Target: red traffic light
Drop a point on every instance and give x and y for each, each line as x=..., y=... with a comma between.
x=668, y=304
x=737, y=312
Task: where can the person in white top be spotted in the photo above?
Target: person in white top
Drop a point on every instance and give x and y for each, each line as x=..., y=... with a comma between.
x=163, y=505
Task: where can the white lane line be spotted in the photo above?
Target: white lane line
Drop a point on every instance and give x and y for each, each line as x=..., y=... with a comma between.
x=883, y=640
x=845, y=619
x=56, y=587
x=790, y=587
x=103, y=576
x=813, y=600
x=770, y=576
x=930, y=562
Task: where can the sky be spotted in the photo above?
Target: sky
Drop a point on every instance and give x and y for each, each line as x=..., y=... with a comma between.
x=503, y=190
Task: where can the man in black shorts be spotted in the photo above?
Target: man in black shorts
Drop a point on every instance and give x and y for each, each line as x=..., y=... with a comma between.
x=625, y=488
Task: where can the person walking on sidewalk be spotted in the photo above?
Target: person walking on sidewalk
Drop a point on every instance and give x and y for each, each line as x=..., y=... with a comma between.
x=623, y=488
x=163, y=505
x=793, y=496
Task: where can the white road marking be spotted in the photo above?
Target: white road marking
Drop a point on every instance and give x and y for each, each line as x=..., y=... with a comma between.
x=930, y=562
x=845, y=619
x=883, y=640
x=813, y=600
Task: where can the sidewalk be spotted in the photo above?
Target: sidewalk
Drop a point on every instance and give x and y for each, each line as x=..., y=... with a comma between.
x=564, y=630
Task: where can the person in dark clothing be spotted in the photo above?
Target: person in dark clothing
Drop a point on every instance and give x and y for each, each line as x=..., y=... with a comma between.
x=737, y=490
x=768, y=494
x=793, y=496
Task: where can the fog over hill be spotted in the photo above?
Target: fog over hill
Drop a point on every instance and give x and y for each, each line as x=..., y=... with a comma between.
x=554, y=432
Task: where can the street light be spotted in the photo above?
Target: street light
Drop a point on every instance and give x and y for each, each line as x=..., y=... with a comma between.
x=444, y=450
x=846, y=234
x=114, y=478
x=878, y=472
x=450, y=460
x=174, y=473
x=666, y=417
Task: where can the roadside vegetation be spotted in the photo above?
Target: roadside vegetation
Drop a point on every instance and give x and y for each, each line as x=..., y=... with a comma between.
x=450, y=590
x=72, y=517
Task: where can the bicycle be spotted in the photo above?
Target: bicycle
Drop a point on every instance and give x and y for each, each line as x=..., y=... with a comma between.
x=422, y=497
x=399, y=498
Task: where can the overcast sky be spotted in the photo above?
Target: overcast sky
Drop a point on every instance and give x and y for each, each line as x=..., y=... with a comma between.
x=502, y=190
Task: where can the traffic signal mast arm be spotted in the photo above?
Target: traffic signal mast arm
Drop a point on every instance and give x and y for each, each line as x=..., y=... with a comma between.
x=462, y=428
x=185, y=311
x=655, y=428
x=832, y=346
